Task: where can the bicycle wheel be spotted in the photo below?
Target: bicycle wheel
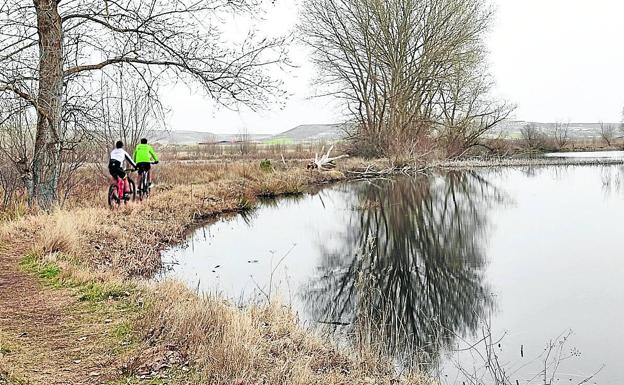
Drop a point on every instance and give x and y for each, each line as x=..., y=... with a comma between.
x=141, y=190
x=146, y=185
x=113, y=199
x=133, y=191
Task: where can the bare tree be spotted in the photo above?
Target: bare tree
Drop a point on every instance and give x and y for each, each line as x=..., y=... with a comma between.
x=532, y=136
x=129, y=110
x=16, y=141
x=466, y=112
x=52, y=52
x=392, y=61
x=17, y=138
x=243, y=140
x=561, y=134
x=209, y=146
x=607, y=133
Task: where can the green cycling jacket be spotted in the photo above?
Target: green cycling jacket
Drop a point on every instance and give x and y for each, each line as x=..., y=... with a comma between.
x=144, y=153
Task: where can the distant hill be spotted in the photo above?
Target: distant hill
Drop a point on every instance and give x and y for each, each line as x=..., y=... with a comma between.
x=333, y=132
x=194, y=137
x=313, y=133
x=302, y=133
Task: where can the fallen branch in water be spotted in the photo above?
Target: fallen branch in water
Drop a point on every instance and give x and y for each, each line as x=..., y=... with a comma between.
x=334, y=323
x=372, y=172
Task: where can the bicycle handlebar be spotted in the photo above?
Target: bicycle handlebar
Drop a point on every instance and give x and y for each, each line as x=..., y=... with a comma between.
x=136, y=169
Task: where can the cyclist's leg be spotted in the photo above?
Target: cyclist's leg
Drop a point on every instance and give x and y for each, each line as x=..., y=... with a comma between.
x=122, y=182
x=141, y=175
x=114, y=170
x=144, y=170
x=120, y=188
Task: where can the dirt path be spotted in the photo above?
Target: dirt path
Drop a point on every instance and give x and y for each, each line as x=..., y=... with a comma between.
x=46, y=335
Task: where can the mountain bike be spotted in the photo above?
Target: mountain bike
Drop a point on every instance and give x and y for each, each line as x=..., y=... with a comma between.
x=144, y=188
x=116, y=190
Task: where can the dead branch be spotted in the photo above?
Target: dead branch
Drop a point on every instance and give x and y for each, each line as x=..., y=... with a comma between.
x=325, y=162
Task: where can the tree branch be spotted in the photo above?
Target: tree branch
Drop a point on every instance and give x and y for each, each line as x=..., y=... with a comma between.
x=19, y=92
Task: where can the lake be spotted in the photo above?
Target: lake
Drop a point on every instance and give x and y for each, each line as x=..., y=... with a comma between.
x=515, y=273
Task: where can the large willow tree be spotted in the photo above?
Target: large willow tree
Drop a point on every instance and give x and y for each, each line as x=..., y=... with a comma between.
x=51, y=52
x=410, y=71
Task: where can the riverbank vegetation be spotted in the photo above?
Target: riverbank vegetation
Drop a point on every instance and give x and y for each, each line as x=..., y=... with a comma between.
x=76, y=76
x=83, y=267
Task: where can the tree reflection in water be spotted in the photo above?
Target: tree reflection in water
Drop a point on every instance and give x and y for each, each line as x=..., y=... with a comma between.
x=408, y=275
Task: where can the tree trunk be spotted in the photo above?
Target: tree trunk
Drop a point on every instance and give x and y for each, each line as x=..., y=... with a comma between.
x=47, y=152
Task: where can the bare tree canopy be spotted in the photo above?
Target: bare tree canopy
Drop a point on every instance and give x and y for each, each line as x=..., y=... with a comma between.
x=533, y=137
x=53, y=52
x=409, y=70
x=607, y=133
x=561, y=134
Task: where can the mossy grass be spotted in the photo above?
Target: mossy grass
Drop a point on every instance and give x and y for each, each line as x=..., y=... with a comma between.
x=98, y=292
x=49, y=272
x=113, y=304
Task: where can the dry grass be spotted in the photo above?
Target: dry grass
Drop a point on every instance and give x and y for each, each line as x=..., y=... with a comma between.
x=13, y=211
x=257, y=345
x=5, y=346
x=100, y=252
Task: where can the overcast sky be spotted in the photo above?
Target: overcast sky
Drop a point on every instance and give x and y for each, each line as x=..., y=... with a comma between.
x=557, y=60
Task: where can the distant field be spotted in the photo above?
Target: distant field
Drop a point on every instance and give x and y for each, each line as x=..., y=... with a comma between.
x=279, y=141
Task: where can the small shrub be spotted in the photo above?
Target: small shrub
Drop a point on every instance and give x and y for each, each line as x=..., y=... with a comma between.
x=266, y=165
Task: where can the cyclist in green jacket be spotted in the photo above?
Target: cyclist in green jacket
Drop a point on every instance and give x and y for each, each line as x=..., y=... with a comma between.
x=144, y=155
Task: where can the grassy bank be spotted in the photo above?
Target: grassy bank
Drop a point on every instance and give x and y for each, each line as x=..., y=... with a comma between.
x=85, y=263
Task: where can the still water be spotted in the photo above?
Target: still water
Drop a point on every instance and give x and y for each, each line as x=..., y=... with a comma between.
x=442, y=271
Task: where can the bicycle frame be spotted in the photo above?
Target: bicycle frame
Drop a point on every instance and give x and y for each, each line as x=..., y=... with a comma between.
x=121, y=187
x=118, y=187
x=145, y=177
x=144, y=180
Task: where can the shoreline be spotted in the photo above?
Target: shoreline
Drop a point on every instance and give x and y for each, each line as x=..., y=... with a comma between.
x=526, y=162
x=454, y=165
